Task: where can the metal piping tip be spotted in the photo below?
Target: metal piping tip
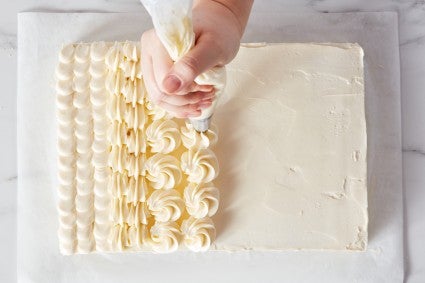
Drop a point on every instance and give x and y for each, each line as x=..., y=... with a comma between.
x=201, y=125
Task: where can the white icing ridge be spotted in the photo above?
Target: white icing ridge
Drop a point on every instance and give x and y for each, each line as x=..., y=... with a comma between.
x=84, y=133
x=66, y=149
x=120, y=170
x=98, y=99
x=127, y=119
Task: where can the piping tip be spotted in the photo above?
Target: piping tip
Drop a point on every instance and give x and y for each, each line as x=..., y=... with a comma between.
x=201, y=125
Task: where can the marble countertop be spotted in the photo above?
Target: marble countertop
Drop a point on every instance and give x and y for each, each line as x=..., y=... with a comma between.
x=412, y=44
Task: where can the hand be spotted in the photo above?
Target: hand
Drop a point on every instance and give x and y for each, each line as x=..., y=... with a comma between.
x=218, y=27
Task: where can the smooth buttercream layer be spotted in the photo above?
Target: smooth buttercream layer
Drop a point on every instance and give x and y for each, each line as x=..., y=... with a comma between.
x=301, y=174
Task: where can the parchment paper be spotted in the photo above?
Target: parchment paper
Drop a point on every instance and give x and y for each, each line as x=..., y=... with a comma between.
x=40, y=37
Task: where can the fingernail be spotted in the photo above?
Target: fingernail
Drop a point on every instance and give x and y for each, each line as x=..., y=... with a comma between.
x=172, y=83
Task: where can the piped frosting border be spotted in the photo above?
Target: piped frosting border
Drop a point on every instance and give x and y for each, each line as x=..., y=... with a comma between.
x=130, y=176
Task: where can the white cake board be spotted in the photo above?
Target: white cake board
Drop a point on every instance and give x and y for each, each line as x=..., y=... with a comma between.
x=40, y=37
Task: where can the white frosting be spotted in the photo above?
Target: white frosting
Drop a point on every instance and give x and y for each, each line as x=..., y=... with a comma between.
x=137, y=190
x=166, y=205
x=119, y=167
x=163, y=136
x=84, y=132
x=131, y=178
x=201, y=166
x=138, y=236
x=192, y=139
x=292, y=149
x=144, y=152
x=198, y=233
x=119, y=238
x=165, y=237
x=163, y=171
x=201, y=199
x=66, y=149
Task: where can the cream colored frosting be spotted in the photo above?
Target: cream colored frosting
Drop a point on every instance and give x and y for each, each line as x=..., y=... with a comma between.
x=192, y=139
x=163, y=136
x=292, y=149
x=166, y=205
x=198, y=233
x=132, y=178
x=119, y=156
x=165, y=237
x=201, y=199
x=66, y=149
x=84, y=134
x=163, y=171
x=201, y=165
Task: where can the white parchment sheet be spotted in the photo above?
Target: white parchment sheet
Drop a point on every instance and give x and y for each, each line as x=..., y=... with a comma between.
x=40, y=38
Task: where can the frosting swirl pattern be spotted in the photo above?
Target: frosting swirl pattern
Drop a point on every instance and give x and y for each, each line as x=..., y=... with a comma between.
x=165, y=237
x=198, y=233
x=163, y=136
x=201, y=166
x=163, y=171
x=166, y=205
x=193, y=139
x=201, y=199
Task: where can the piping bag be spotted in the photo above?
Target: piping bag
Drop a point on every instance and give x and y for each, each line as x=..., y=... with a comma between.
x=172, y=20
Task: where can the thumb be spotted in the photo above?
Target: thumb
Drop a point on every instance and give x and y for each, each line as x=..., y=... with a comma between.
x=198, y=60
